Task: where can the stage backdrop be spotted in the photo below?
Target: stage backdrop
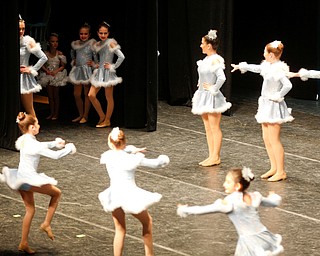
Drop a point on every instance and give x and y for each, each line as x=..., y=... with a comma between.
x=9, y=84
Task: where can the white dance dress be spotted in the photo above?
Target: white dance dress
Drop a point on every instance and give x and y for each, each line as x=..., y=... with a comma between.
x=28, y=83
x=272, y=107
x=82, y=52
x=123, y=191
x=53, y=63
x=210, y=70
x=30, y=152
x=254, y=238
x=103, y=77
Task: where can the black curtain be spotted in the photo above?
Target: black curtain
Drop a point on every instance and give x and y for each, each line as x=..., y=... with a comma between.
x=183, y=24
x=9, y=73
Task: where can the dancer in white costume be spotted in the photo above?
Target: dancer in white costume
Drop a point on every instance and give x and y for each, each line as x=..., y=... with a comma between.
x=83, y=59
x=272, y=109
x=123, y=195
x=208, y=101
x=104, y=76
x=28, y=83
x=242, y=209
x=26, y=180
x=53, y=75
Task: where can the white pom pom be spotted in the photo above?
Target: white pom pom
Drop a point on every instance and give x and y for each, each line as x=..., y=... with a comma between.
x=181, y=211
x=71, y=147
x=60, y=143
x=164, y=160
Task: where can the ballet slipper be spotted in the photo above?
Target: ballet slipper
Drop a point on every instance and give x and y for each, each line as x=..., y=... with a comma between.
x=26, y=249
x=54, y=118
x=202, y=162
x=105, y=123
x=268, y=174
x=211, y=163
x=76, y=120
x=48, y=231
x=49, y=117
x=278, y=177
x=83, y=120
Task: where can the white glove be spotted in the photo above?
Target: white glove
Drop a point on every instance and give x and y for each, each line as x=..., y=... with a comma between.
x=60, y=143
x=164, y=160
x=276, y=97
x=181, y=211
x=71, y=147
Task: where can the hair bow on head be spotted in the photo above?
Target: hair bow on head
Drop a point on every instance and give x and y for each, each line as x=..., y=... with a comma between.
x=275, y=44
x=247, y=174
x=212, y=34
x=115, y=133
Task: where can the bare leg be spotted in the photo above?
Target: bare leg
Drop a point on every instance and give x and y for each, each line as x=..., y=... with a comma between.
x=214, y=138
x=87, y=102
x=51, y=100
x=270, y=152
x=109, y=97
x=95, y=102
x=56, y=102
x=28, y=200
x=278, y=151
x=118, y=216
x=146, y=221
x=27, y=102
x=77, y=91
x=110, y=100
x=207, y=129
x=55, y=194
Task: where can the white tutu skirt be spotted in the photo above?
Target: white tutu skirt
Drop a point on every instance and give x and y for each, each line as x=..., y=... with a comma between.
x=132, y=200
x=15, y=179
x=273, y=112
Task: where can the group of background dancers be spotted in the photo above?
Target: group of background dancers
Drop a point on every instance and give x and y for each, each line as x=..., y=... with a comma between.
x=121, y=160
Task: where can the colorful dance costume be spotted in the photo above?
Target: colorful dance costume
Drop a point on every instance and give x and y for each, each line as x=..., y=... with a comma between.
x=28, y=83
x=53, y=63
x=210, y=70
x=82, y=52
x=103, y=77
x=272, y=107
x=123, y=191
x=254, y=238
x=30, y=151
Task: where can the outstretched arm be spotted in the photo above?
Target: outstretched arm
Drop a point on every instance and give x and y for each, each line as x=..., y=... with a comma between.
x=218, y=206
x=161, y=161
x=272, y=200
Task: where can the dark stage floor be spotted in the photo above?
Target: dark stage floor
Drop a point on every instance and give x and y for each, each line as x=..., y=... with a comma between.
x=82, y=227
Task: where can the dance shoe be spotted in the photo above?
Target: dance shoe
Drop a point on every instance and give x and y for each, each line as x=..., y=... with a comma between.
x=105, y=123
x=48, y=231
x=83, y=120
x=210, y=163
x=268, y=174
x=278, y=177
x=26, y=249
x=76, y=120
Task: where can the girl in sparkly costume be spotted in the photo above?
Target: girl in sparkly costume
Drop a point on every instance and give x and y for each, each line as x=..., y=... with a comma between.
x=241, y=207
x=272, y=109
x=54, y=74
x=208, y=101
x=83, y=60
x=105, y=75
x=28, y=83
